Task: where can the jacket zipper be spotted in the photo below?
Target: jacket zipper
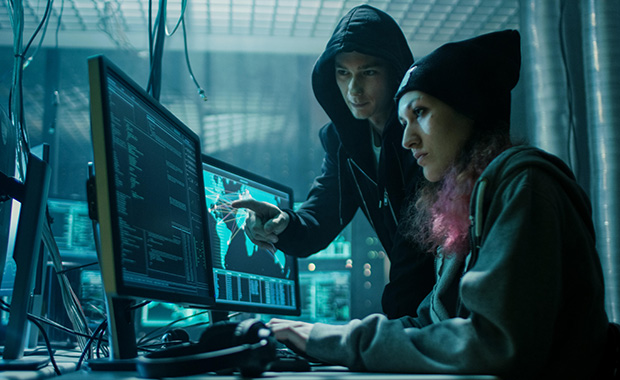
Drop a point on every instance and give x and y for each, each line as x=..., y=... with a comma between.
x=386, y=198
x=351, y=162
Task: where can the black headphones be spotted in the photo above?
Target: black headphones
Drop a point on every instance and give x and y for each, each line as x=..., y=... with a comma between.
x=248, y=346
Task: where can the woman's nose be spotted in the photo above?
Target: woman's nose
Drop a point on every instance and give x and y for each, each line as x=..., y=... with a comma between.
x=410, y=139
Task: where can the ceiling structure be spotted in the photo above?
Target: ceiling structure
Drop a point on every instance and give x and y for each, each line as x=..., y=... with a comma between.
x=257, y=112
x=291, y=26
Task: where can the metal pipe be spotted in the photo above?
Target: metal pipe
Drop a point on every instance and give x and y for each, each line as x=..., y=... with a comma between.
x=601, y=46
x=544, y=77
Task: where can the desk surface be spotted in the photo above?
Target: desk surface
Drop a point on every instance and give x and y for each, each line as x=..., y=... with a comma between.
x=324, y=373
x=67, y=362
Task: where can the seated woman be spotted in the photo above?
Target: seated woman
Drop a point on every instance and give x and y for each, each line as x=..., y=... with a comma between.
x=519, y=290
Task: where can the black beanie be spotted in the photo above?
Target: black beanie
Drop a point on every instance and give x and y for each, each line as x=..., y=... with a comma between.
x=473, y=76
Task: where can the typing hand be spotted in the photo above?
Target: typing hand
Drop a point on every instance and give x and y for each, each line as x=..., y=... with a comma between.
x=264, y=222
x=293, y=334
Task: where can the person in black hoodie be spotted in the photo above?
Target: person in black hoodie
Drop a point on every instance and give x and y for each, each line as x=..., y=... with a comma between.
x=365, y=166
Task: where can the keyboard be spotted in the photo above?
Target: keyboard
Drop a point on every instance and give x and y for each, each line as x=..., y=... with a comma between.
x=289, y=361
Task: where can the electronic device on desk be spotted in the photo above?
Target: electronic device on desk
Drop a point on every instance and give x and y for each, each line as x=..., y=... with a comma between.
x=35, y=303
x=246, y=277
x=249, y=278
x=150, y=206
x=32, y=196
x=72, y=229
x=153, y=231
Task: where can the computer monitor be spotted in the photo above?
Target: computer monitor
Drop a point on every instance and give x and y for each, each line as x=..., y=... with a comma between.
x=72, y=229
x=32, y=195
x=246, y=277
x=8, y=215
x=150, y=203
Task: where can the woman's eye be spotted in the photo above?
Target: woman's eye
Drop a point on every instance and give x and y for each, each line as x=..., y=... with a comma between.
x=418, y=111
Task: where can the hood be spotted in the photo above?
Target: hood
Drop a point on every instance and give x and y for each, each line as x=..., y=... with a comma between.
x=510, y=163
x=366, y=30
x=519, y=158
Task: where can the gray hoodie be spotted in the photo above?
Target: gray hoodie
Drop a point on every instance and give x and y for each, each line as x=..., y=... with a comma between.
x=526, y=303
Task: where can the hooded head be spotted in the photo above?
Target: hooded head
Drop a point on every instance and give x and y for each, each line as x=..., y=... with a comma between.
x=367, y=30
x=474, y=76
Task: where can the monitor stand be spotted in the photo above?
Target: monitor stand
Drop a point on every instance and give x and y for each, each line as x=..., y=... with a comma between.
x=122, y=337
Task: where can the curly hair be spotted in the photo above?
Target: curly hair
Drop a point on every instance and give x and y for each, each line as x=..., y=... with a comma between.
x=438, y=217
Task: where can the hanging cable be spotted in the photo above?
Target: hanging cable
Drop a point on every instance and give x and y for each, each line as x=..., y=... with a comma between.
x=156, y=50
x=62, y=9
x=179, y=21
x=201, y=92
x=42, y=25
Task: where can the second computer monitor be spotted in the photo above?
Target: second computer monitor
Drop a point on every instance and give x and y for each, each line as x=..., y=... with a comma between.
x=246, y=277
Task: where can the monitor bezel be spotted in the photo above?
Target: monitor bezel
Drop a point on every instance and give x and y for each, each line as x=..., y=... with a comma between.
x=99, y=69
x=256, y=308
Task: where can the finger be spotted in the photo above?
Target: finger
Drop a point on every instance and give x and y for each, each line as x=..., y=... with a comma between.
x=292, y=333
x=250, y=204
x=262, y=244
x=258, y=232
x=263, y=210
x=261, y=240
x=278, y=224
x=274, y=321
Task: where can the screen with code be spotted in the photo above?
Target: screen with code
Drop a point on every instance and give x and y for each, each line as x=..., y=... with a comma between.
x=154, y=192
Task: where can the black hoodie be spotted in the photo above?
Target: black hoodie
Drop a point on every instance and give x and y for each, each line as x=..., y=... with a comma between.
x=351, y=179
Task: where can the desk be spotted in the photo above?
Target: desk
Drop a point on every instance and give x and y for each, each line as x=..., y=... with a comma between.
x=321, y=373
x=67, y=361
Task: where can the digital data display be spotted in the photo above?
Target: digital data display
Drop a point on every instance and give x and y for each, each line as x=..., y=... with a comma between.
x=246, y=277
x=149, y=194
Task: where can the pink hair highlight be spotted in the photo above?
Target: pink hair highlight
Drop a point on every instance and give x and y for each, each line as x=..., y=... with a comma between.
x=450, y=213
x=439, y=217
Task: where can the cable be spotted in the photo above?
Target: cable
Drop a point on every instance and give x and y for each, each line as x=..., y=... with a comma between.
x=201, y=92
x=181, y=17
x=86, y=349
x=99, y=348
x=7, y=308
x=16, y=102
x=78, y=267
x=15, y=110
x=157, y=35
x=156, y=49
x=139, y=305
x=150, y=335
x=70, y=300
x=44, y=21
x=62, y=10
x=47, y=344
